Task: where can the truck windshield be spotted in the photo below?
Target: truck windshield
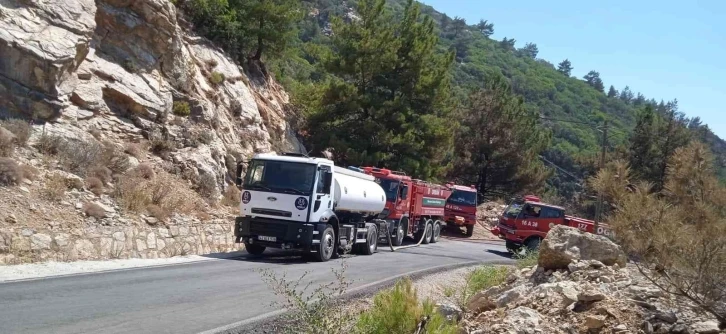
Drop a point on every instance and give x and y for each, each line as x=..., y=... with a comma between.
x=461, y=197
x=280, y=176
x=390, y=187
x=513, y=210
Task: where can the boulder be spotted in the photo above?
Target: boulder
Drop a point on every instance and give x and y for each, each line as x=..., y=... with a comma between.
x=595, y=321
x=564, y=245
x=450, y=311
x=705, y=327
x=523, y=319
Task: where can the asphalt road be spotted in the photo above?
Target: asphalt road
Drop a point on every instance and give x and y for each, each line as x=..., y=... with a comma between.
x=204, y=296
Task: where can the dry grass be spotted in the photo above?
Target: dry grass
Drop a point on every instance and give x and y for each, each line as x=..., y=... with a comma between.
x=7, y=142
x=230, y=197
x=94, y=210
x=145, y=171
x=136, y=150
x=55, y=188
x=158, y=212
x=207, y=187
x=20, y=128
x=103, y=174
x=169, y=193
x=49, y=144
x=95, y=185
x=10, y=172
x=29, y=172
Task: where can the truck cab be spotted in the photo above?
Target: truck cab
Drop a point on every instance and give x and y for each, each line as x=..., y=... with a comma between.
x=397, y=187
x=461, y=207
x=525, y=222
x=293, y=201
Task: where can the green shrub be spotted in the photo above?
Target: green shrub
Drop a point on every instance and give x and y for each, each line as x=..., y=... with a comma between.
x=483, y=278
x=216, y=78
x=398, y=311
x=528, y=259
x=181, y=108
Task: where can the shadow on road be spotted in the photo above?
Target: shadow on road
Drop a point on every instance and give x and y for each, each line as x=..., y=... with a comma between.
x=501, y=253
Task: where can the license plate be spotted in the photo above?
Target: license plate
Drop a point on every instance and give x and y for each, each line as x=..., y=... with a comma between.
x=265, y=238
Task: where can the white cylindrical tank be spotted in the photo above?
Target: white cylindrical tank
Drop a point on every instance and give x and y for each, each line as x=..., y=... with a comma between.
x=357, y=192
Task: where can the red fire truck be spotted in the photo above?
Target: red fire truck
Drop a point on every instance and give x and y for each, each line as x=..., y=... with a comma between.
x=410, y=205
x=461, y=208
x=526, y=221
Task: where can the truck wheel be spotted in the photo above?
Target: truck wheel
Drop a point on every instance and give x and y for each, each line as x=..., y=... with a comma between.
x=371, y=244
x=469, y=230
x=513, y=247
x=436, y=232
x=533, y=244
x=400, y=233
x=254, y=249
x=326, y=248
x=429, y=232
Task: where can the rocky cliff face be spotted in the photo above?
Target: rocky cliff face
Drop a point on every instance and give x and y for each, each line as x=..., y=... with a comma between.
x=119, y=68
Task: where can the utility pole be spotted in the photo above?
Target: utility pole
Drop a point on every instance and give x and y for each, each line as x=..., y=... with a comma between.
x=598, y=213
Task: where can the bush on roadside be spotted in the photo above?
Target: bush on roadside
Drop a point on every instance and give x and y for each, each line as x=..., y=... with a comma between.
x=145, y=171
x=207, y=187
x=157, y=212
x=481, y=279
x=231, y=196
x=10, y=173
x=316, y=310
x=527, y=259
x=101, y=173
x=94, y=210
x=169, y=193
x=399, y=311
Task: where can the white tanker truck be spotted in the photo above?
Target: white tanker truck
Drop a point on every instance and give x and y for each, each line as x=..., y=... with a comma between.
x=291, y=201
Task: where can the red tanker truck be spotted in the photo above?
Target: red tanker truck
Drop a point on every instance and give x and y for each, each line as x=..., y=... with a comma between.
x=411, y=205
x=460, y=208
x=526, y=221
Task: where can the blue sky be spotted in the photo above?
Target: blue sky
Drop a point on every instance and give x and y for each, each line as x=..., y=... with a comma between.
x=663, y=49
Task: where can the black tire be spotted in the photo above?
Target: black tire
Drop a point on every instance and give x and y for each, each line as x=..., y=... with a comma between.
x=371, y=245
x=469, y=230
x=513, y=247
x=436, y=232
x=254, y=249
x=400, y=232
x=533, y=244
x=327, y=246
x=429, y=232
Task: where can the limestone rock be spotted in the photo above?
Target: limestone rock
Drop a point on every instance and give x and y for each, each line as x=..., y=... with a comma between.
x=706, y=327
x=565, y=244
x=595, y=321
x=523, y=319
x=450, y=311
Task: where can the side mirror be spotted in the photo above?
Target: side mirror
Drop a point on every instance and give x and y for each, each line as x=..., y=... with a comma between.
x=238, y=179
x=404, y=192
x=327, y=182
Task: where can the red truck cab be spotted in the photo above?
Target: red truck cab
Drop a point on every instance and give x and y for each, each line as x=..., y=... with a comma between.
x=461, y=207
x=525, y=222
x=411, y=205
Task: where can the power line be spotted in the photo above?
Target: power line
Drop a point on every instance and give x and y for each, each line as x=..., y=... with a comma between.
x=561, y=169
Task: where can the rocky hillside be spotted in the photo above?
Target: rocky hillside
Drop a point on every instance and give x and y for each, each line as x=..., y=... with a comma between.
x=115, y=90
x=581, y=284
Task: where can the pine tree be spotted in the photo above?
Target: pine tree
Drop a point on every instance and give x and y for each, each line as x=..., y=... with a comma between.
x=593, y=79
x=270, y=22
x=612, y=92
x=498, y=145
x=530, y=50
x=673, y=134
x=639, y=100
x=643, y=151
x=445, y=23
x=486, y=28
x=508, y=44
x=459, y=25
x=565, y=67
x=626, y=95
x=391, y=108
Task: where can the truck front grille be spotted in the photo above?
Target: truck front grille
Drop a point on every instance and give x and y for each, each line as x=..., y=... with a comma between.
x=268, y=229
x=271, y=212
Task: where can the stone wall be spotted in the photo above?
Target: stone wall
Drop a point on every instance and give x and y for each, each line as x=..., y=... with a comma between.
x=21, y=245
